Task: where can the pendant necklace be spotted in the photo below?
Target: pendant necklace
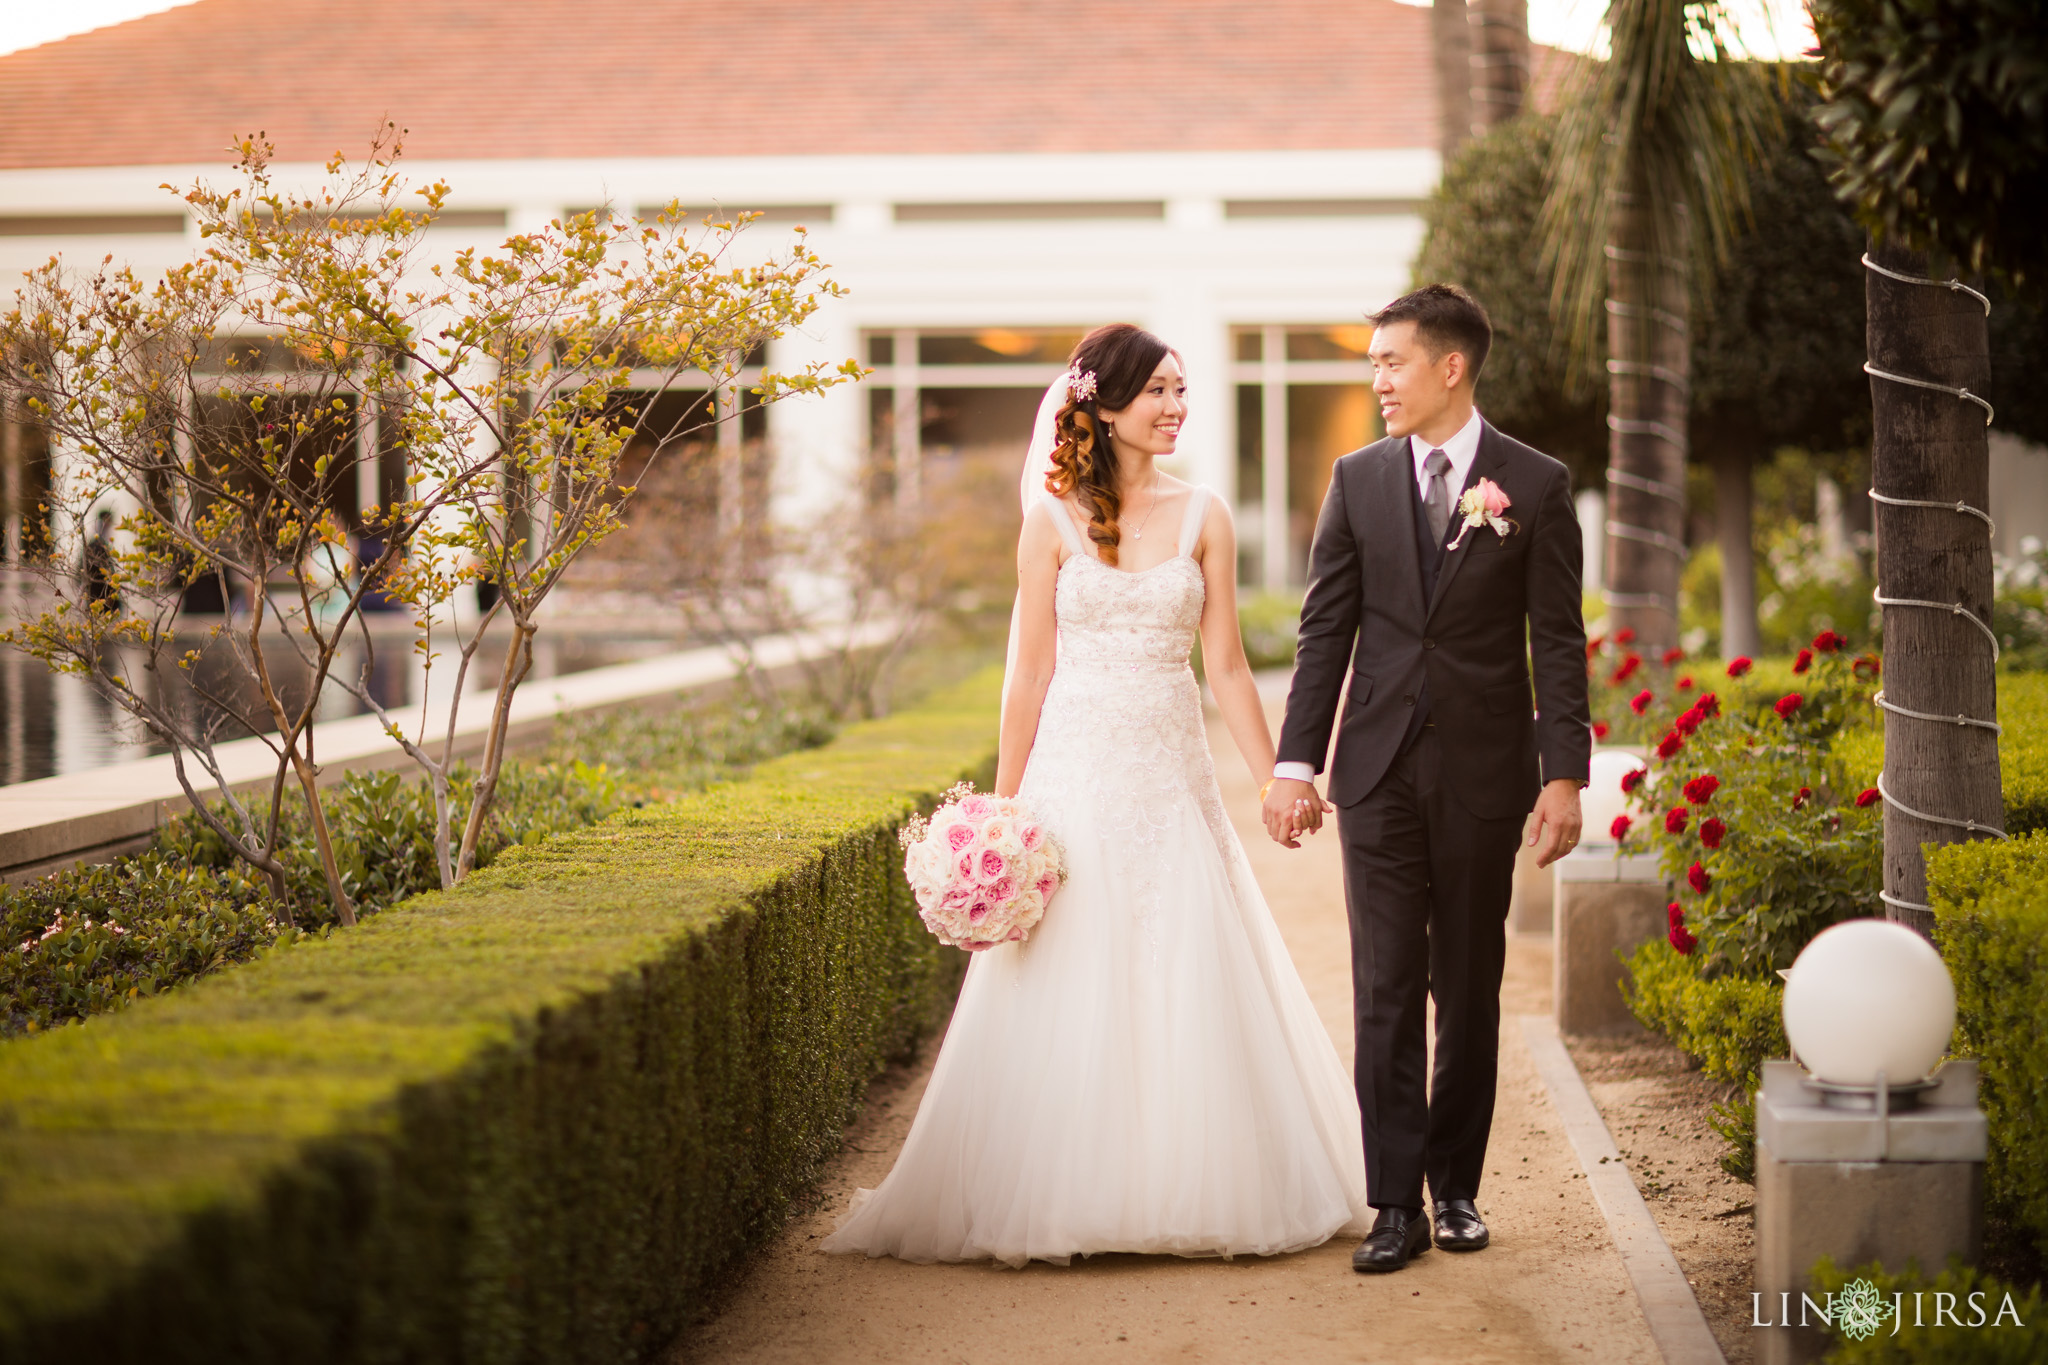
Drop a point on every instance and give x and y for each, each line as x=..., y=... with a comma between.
x=1139, y=534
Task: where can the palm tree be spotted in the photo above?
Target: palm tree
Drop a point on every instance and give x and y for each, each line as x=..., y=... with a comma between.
x=1648, y=179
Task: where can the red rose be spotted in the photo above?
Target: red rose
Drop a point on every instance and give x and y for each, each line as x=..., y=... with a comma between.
x=1696, y=877
x=1805, y=795
x=1630, y=780
x=1593, y=645
x=1672, y=655
x=1701, y=789
x=1626, y=668
x=1866, y=665
x=1599, y=729
x=1739, y=665
x=1674, y=914
x=1787, y=704
x=1869, y=796
x=1712, y=832
x=1827, y=642
x=1688, y=722
x=1685, y=683
x=1670, y=744
x=1683, y=940
x=1640, y=702
x=1674, y=820
x=1619, y=829
x=1803, y=661
x=1625, y=636
x=1709, y=706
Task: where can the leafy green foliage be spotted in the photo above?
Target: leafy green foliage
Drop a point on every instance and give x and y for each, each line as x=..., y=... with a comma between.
x=1480, y=231
x=1269, y=623
x=532, y=1118
x=1936, y=116
x=1730, y=1025
x=1990, y=903
x=91, y=939
x=1784, y=866
x=1989, y=1338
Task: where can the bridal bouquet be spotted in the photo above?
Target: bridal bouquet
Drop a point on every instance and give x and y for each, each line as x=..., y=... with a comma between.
x=982, y=869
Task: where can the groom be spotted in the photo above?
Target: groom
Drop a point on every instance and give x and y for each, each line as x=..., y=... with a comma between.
x=1443, y=602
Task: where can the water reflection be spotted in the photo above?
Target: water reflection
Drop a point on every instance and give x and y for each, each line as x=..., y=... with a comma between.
x=52, y=724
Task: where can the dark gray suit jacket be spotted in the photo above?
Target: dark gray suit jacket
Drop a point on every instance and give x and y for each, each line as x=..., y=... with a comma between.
x=1506, y=608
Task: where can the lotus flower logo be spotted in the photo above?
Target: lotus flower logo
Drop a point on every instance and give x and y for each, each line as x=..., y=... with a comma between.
x=1860, y=1310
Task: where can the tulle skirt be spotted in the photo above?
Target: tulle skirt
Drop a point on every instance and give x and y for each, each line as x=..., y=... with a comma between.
x=1147, y=1073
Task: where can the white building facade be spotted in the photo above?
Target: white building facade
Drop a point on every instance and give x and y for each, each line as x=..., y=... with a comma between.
x=971, y=270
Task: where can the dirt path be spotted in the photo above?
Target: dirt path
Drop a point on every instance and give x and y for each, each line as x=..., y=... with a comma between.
x=1551, y=1287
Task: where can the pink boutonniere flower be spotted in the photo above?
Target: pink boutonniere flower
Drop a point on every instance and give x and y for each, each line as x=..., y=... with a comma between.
x=1482, y=505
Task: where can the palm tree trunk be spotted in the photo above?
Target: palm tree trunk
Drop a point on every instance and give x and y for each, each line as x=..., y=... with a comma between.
x=1735, y=530
x=1648, y=364
x=1500, y=61
x=1451, y=35
x=1931, y=446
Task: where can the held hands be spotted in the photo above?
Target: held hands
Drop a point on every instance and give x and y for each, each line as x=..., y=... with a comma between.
x=1555, y=830
x=1293, y=808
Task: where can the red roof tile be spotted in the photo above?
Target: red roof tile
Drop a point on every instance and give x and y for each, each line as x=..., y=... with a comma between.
x=589, y=78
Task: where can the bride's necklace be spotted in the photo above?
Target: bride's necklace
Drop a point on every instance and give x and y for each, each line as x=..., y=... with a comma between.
x=1139, y=534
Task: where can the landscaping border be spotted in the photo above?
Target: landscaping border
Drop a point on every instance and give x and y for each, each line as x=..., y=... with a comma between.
x=528, y=1120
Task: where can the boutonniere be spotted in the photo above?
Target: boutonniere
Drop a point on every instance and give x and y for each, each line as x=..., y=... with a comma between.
x=1482, y=505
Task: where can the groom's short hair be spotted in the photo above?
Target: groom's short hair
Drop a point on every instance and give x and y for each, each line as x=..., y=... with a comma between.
x=1446, y=319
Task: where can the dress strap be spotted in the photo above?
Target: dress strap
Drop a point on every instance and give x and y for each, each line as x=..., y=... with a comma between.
x=1191, y=522
x=1063, y=523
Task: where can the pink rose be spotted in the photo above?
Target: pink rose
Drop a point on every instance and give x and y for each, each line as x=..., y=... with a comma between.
x=1003, y=891
x=1034, y=837
x=977, y=807
x=1492, y=498
x=959, y=836
x=958, y=898
x=1046, y=885
x=993, y=865
x=977, y=911
x=963, y=867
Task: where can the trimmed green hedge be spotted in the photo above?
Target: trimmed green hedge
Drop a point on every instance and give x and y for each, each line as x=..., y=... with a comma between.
x=1990, y=902
x=1986, y=1306
x=530, y=1120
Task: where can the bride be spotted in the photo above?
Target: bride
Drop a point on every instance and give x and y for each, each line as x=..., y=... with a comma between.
x=1147, y=1073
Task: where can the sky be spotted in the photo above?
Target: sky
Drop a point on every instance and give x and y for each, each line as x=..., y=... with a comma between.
x=1768, y=27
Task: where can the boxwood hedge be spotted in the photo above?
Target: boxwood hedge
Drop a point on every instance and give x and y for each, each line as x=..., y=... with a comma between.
x=531, y=1120
x=1991, y=921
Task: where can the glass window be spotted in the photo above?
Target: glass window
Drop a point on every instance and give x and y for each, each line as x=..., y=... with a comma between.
x=1323, y=422
x=997, y=346
x=881, y=350
x=1329, y=343
x=1250, y=344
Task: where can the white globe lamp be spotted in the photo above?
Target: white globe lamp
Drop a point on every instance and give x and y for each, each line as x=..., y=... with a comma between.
x=1869, y=1000
x=1603, y=798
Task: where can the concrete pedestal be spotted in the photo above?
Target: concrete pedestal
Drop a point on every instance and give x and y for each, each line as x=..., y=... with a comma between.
x=1600, y=904
x=1529, y=912
x=1906, y=1188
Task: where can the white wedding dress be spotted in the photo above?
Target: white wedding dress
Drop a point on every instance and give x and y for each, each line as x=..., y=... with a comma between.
x=1147, y=1073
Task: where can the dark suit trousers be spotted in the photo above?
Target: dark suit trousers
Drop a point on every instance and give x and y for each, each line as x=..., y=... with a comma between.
x=1428, y=885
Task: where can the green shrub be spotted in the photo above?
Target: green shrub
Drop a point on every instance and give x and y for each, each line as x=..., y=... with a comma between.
x=1269, y=622
x=1990, y=903
x=1995, y=1341
x=2023, y=750
x=90, y=939
x=528, y=1120
x=1728, y=1024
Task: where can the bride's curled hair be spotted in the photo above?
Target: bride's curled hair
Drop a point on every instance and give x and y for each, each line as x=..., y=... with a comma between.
x=1122, y=358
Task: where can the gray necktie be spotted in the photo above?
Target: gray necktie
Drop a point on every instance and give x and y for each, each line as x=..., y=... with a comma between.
x=1438, y=501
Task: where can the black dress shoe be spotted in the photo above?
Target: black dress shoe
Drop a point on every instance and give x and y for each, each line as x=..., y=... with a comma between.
x=1397, y=1237
x=1458, y=1227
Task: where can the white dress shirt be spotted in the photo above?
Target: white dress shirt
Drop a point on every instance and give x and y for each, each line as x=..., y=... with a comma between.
x=1461, y=450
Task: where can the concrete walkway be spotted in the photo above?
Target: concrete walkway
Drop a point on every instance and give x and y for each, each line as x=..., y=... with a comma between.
x=1551, y=1288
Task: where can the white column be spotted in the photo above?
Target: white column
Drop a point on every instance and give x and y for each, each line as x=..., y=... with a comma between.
x=1273, y=474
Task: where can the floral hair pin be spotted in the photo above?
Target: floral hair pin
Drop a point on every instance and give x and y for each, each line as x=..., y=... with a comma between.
x=1080, y=384
x=1482, y=505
